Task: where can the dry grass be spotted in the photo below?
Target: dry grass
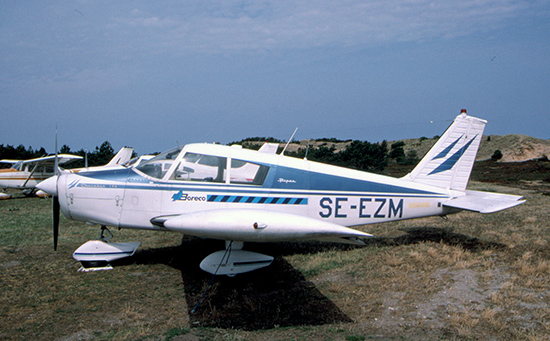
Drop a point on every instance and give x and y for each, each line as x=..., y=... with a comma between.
x=469, y=277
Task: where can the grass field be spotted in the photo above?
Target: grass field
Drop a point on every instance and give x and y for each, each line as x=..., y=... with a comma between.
x=472, y=276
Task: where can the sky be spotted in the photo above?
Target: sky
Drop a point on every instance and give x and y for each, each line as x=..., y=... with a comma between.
x=156, y=74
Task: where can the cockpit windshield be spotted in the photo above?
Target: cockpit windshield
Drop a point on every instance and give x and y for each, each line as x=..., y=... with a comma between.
x=18, y=166
x=159, y=165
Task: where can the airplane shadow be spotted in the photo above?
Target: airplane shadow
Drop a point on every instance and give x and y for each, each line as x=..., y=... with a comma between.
x=276, y=296
x=416, y=235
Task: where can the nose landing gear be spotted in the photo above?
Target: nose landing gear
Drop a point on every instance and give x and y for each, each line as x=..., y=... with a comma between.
x=95, y=255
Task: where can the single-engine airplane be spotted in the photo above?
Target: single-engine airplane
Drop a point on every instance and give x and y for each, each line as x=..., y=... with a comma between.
x=26, y=174
x=240, y=195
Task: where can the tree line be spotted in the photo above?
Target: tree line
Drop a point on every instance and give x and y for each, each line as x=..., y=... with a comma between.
x=96, y=157
x=360, y=155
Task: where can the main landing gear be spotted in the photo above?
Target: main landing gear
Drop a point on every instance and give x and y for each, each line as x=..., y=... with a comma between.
x=95, y=255
x=233, y=260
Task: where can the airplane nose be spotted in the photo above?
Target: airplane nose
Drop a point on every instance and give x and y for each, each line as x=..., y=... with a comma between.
x=49, y=186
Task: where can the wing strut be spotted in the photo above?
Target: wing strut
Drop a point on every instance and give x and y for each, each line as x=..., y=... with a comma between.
x=30, y=175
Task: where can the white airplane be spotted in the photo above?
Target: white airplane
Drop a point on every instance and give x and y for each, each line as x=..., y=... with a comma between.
x=240, y=195
x=26, y=174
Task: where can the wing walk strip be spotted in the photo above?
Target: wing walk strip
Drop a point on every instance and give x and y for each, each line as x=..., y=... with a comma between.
x=257, y=200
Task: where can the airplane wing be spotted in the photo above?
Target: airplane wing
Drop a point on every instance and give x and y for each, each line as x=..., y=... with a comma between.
x=258, y=226
x=9, y=161
x=484, y=202
x=62, y=159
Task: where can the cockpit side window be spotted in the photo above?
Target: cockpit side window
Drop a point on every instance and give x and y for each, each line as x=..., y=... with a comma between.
x=200, y=167
x=208, y=168
x=159, y=165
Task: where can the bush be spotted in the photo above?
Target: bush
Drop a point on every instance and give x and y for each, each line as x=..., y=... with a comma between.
x=497, y=155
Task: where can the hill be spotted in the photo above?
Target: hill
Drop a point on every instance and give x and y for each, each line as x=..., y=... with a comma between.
x=514, y=148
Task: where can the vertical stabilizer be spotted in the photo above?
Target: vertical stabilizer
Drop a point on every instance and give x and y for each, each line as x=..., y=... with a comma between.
x=124, y=155
x=449, y=163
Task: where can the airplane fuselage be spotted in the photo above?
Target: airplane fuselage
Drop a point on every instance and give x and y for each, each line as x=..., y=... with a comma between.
x=12, y=178
x=131, y=198
x=240, y=195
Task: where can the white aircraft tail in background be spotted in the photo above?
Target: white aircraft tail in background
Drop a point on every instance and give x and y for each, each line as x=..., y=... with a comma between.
x=124, y=155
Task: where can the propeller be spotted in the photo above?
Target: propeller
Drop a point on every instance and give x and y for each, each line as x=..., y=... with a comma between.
x=50, y=186
x=55, y=211
x=55, y=199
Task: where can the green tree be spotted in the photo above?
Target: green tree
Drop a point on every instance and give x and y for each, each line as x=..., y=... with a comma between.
x=497, y=155
x=65, y=149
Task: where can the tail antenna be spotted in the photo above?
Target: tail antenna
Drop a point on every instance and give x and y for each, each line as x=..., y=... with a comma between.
x=307, y=150
x=290, y=140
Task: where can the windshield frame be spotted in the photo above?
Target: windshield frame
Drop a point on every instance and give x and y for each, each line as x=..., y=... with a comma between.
x=161, y=159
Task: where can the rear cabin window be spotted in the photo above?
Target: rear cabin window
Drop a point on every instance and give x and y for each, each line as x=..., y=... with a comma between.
x=244, y=172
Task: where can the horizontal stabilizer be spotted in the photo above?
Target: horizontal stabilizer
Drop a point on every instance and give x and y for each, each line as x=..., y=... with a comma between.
x=484, y=202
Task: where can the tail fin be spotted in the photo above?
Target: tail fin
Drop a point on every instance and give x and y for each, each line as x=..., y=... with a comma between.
x=449, y=162
x=124, y=155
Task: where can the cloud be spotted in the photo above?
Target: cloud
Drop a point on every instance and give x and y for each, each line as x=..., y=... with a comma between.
x=236, y=26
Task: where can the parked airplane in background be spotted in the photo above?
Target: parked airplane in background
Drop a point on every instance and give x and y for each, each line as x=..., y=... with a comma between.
x=240, y=195
x=26, y=174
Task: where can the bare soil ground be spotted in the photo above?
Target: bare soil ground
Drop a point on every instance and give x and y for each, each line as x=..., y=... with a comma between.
x=471, y=276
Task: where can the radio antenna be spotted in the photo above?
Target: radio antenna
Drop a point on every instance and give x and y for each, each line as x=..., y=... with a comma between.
x=295, y=130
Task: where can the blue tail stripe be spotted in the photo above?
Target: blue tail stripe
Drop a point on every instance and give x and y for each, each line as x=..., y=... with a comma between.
x=453, y=159
x=447, y=150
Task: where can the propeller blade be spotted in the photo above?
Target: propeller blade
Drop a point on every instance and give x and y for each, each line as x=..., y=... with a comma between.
x=55, y=222
x=55, y=199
